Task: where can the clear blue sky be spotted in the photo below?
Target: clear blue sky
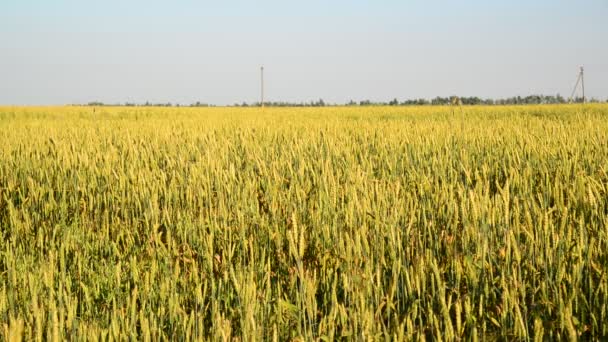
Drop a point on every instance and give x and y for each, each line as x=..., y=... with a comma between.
x=183, y=51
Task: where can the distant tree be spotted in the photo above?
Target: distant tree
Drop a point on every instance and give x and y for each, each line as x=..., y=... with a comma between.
x=474, y=100
x=438, y=101
x=578, y=100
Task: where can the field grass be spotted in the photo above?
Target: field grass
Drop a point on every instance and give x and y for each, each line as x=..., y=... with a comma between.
x=304, y=224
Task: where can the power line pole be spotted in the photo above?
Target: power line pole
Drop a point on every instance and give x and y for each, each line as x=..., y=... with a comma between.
x=262, y=86
x=583, y=82
x=580, y=79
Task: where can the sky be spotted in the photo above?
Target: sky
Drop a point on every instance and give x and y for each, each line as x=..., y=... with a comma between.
x=184, y=51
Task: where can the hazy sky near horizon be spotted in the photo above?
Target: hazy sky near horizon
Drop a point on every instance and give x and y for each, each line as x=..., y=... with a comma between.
x=183, y=51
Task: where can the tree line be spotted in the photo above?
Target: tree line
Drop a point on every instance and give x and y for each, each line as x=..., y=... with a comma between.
x=437, y=101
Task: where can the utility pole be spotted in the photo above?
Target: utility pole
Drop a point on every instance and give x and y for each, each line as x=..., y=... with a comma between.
x=580, y=79
x=583, y=82
x=262, y=89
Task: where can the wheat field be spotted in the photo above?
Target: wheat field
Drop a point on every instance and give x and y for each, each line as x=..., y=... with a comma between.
x=356, y=223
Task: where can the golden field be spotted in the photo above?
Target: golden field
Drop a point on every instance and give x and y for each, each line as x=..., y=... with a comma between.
x=358, y=223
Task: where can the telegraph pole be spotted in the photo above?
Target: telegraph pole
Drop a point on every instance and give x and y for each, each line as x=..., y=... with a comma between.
x=583, y=82
x=580, y=79
x=262, y=86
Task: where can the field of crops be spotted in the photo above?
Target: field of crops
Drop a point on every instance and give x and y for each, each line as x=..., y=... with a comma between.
x=304, y=224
